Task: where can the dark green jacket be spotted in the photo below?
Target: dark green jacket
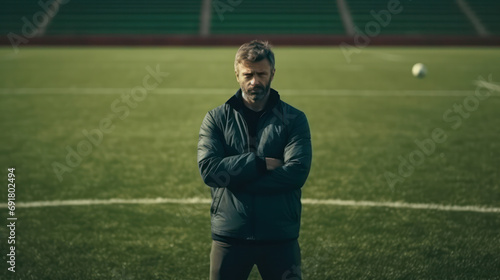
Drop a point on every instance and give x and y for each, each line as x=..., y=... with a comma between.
x=250, y=204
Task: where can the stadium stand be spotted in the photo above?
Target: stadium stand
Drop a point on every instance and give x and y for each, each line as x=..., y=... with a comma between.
x=423, y=17
x=12, y=13
x=488, y=11
x=127, y=17
x=197, y=19
x=279, y=17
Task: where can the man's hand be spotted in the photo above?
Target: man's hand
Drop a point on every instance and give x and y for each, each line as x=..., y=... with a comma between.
x=273, y=163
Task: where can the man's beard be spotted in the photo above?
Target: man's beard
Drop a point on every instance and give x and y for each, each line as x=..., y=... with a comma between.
x=257, y=93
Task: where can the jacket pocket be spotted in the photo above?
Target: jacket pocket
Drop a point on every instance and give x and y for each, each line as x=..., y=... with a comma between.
x=218, y=192
x=279, y=211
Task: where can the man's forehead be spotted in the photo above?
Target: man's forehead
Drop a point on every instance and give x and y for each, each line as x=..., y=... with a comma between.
x=259, y=66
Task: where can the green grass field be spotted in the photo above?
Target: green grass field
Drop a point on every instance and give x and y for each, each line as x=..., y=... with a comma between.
x=363, y=116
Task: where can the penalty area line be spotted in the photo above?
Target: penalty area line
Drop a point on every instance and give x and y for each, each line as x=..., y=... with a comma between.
x=306, y=201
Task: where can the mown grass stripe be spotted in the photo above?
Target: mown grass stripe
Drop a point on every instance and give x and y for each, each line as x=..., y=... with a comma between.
x=229, y=91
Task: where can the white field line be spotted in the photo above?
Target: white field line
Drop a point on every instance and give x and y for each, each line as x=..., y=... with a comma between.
x=83, y=202
x=230, y=91
x=307, y=201
x=422, y=206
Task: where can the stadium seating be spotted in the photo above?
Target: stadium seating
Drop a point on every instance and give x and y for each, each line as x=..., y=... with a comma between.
x=12, y=13
x=422, y=17
x=488, y=11
x=278, y=17
x=127, y=17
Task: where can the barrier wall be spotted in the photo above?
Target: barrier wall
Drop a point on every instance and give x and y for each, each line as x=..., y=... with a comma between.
x=278, y=40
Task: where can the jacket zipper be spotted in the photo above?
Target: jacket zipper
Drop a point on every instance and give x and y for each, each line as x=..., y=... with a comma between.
x=252, y=218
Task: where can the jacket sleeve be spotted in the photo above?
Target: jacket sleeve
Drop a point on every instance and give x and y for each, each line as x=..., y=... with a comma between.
x=217, y=169
x=297, y=158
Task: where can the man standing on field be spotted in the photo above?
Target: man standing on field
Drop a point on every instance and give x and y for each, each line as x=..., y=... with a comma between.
x=255, y=153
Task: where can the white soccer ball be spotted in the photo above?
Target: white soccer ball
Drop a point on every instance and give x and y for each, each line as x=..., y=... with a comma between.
x=419, y=70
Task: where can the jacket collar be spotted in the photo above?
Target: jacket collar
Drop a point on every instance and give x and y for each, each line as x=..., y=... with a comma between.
x=236, y=101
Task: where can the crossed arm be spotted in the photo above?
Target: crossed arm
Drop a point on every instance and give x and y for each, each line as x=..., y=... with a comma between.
x=273, y=163
x=241, y=172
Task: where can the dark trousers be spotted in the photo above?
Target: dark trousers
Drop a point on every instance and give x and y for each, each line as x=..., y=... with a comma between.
x=235, y=261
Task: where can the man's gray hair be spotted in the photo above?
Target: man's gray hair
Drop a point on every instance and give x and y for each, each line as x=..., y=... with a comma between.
x=254, y=51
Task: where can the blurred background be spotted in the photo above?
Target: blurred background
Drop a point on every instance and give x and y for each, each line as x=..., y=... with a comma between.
x=101, y=103
x=170, y=22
